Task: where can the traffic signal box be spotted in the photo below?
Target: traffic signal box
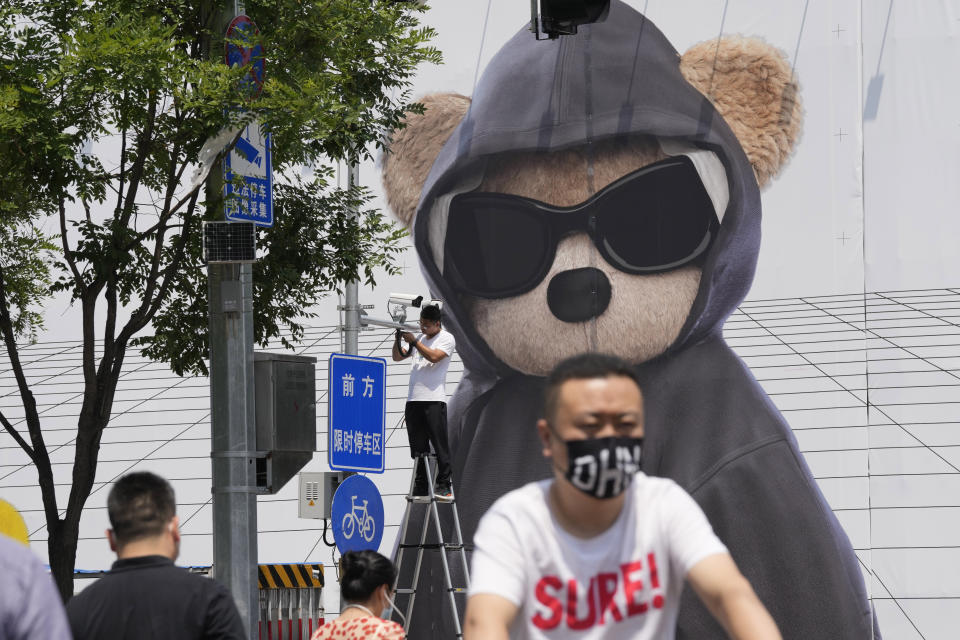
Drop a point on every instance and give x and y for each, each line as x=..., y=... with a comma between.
x=286, y=416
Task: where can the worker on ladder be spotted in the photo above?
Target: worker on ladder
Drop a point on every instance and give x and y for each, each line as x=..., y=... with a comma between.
x=426, y=409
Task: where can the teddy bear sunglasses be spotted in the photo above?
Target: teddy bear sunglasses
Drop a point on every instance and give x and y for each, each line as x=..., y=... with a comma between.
x=653, y=220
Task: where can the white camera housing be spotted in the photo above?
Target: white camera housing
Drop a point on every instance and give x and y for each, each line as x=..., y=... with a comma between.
x=405, y=299
x=398, y=304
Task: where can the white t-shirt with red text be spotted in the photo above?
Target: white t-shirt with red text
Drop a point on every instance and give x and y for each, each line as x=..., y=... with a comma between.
x=624, y=583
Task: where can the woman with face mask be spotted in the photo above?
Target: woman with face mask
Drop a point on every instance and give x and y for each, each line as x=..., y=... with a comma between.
x=366, y=583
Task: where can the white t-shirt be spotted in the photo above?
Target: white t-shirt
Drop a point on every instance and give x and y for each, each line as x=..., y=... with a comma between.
x=428, y=379
x=624, y=583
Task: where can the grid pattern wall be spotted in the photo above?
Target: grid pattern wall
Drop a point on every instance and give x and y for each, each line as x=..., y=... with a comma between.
x=869, y=383
x=871, y=388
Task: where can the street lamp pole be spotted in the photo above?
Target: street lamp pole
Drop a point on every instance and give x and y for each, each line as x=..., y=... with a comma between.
x=351, y=307
x=232, y=417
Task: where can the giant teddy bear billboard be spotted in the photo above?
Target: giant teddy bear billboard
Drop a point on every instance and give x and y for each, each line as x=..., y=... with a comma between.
x=600, y=192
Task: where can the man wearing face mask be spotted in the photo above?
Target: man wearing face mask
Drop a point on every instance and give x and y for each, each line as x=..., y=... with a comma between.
x=600, y=550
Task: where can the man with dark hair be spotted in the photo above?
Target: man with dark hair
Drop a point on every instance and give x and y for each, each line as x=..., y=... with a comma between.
x=601, y=550
x=144, y=596
x=426, y=409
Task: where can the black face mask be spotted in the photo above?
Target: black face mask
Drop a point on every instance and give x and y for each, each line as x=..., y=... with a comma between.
x=603, y=467
x=650, y=221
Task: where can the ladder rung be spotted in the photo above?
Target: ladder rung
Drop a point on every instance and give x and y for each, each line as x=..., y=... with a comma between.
x=449, y=546
x=458, y=589
x=428, y=500
x=405, y=591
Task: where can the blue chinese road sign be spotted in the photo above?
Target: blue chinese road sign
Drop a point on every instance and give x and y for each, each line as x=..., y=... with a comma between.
x=356, y=407
x=357, y=515
x=251, y=200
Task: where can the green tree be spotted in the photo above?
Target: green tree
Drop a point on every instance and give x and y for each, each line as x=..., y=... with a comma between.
x=145, y=82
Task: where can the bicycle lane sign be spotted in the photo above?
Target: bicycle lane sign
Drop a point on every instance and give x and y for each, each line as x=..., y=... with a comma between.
x=357, y=515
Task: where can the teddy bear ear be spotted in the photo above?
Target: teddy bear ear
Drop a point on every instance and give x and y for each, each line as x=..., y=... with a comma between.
x=752, y=85
x=415, y=146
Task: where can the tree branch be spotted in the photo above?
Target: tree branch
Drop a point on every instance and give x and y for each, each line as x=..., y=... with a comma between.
x=143, y=234
x=190, y=196
x=16, y=436
x=174, y=266
x=164, y=218
x=123, y=163
x=38, y=453
x=65, y=243
x=110, y=326
x=173, y=177
x=155, y=260
x=144, y=140
x=88, y=305
x=148, y=307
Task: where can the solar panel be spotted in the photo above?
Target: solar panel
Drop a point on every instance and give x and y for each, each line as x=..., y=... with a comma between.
x=229, y=242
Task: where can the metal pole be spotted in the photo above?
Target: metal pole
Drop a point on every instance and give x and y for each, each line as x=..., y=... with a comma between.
x=232, y=418
x=351, y=307
x=389, y=324
x=233, y=435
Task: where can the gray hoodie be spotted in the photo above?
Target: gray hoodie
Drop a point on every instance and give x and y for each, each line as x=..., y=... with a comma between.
x=709, y=425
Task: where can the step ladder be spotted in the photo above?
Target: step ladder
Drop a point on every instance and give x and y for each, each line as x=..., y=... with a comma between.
x=431, y=516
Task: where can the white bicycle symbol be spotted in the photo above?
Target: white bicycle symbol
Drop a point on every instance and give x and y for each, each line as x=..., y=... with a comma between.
x=358, y=518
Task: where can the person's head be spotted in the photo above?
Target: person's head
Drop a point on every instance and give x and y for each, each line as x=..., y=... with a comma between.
x=588, y=397
x=367, y=578
x=143, y=520
x=430, y=320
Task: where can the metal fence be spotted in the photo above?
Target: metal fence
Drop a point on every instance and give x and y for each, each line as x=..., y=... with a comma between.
x=291, y=600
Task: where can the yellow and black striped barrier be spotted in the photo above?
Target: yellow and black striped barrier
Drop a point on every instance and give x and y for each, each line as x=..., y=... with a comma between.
x=291, y=600
x=290, y=576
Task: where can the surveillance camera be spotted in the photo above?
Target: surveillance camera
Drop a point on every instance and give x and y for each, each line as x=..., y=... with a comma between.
x=555, y=18
x=405, y=299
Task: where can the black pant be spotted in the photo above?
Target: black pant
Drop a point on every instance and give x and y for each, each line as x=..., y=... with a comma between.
x=427, y=425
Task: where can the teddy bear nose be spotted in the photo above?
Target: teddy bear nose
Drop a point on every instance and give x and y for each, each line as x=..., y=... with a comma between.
x=579, y=294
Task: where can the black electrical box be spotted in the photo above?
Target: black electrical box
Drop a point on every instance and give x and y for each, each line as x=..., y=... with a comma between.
x=286, y=415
